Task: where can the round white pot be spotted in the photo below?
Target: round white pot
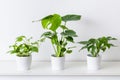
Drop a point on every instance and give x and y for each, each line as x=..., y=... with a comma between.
x=57, y=63
x=93, y=63
x=23, y=63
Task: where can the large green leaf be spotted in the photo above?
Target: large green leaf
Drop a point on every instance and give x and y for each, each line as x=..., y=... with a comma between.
x=51, y=22
x=71, y=17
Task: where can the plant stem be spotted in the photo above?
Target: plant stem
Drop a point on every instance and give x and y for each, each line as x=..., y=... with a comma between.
x=65, y=23
x=54, y=49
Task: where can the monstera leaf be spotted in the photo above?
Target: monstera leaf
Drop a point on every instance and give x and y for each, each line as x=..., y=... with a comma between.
x=51, y=22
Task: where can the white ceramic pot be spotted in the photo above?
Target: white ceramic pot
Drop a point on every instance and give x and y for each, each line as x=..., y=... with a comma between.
x=23, y=63
x=57, y=63
x=93, y=63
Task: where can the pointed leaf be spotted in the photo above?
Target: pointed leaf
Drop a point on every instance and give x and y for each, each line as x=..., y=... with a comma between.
x=83, y=42
x=47, y=34
x=63, y=50
x=71, y=17
x=34, y=49
x=69, y=33
x=20, y=38
x=63, y=27
x=69, y=38
x=69, y=51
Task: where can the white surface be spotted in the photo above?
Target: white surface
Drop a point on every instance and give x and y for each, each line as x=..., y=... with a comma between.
x=99, y=17
x=71, y=68
x=59, y=77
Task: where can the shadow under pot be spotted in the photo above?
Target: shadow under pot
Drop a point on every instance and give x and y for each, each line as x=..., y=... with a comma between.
x=57, y=62
x=23, y=63
x=93, y=63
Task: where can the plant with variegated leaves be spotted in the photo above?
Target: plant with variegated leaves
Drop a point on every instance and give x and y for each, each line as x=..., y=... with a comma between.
x=94, y=46
x=23, y=47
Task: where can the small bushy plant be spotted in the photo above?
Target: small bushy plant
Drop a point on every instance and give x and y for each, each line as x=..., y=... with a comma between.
x=23, y=47
x=94, y=46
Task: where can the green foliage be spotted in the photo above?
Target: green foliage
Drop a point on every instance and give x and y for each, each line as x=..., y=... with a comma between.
x=59, y=41
x=68, y=32
x=23, y=47
x=51, y=22
x=59, y=44
x=71, y=18
x=94, y=46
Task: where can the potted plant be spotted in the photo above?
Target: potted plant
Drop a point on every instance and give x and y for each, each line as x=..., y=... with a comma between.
x=94, y=47
x=23, y=48
x=59, y=39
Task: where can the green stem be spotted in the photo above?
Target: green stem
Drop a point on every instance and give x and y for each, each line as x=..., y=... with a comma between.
x=54, y=49
x=65, y=23
x=58, y=51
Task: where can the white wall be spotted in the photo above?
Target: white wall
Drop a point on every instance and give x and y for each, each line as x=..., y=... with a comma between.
x=99, y=18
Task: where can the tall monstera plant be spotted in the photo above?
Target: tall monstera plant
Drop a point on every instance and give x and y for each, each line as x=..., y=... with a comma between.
x=59, y=41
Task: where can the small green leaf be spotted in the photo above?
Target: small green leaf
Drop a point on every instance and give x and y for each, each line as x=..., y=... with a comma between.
x=110, y=38
x=84, y=47
x=108, y=45
x=69, y=33
x=63, y=50
x=42, y=39
x=61, y=42
x=69, y=51
x=92, y=40
x=89, y=48
x=47, y=34
x=71, y=17
x=63, y=27
x=20, y=38
x=34, y=49
x=93, y=49
x=12, y=52
x=83, y=42
x=71, y=47
x=103, y=49
x=64, y=44
x=69, y=38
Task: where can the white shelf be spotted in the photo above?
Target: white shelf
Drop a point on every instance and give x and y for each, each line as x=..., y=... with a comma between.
x=71, y=68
